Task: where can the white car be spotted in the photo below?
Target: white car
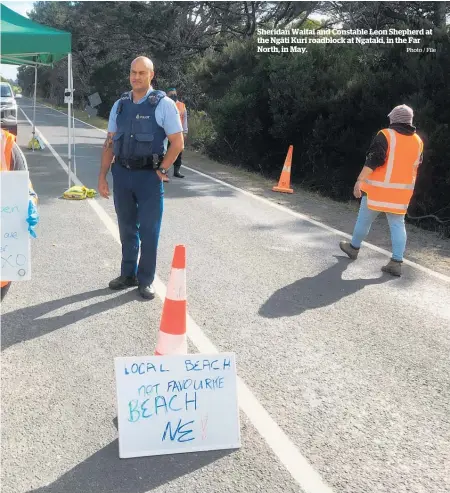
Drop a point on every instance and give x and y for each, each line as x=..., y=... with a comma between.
x=8, y=108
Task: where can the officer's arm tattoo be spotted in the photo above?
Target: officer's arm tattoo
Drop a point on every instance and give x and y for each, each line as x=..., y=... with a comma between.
x=108, y=142
x=107, y=155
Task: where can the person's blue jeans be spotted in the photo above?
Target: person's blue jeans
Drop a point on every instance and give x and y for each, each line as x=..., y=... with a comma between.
x=396, y=222
x=138, y=199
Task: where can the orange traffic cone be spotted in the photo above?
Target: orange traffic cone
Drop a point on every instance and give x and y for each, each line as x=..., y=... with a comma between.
x=285, y=178
x=172, y=330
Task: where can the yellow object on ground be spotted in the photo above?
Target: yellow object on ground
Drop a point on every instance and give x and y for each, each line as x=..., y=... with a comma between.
x=79, y=193
x=34, y=144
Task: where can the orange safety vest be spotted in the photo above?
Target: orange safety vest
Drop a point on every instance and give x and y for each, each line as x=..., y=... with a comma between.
x=390, y=187
x=182, y=110
x=7, y=143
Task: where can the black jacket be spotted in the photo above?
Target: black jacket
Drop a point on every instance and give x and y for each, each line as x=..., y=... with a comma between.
x=376, y=155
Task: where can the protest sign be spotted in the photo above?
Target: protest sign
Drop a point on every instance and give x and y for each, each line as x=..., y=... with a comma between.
x=15, y=239
x=175, y=404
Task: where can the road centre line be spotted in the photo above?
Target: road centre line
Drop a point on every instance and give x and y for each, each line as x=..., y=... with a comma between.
x=297, y=215
x=281, y=445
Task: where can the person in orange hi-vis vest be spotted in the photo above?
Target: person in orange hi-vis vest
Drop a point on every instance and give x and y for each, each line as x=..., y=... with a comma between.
x=172, y=94
x=12, y=159
x=386, y=184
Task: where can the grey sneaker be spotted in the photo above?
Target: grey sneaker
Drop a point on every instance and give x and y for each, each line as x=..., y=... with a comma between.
x=347, y=248
x=394, y=267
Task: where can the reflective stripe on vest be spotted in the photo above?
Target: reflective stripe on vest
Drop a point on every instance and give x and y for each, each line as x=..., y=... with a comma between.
x=383, y=184
x=385, y=188
x=390, y=163
x=387, y=205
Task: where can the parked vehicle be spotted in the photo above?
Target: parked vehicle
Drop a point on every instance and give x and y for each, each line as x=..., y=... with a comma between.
x=8, y=108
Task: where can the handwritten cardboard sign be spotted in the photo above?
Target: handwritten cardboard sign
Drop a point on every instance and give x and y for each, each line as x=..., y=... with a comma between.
x=15, y=239
x=176, y=404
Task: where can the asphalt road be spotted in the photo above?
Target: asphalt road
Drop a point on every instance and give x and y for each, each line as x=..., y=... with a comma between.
x=352, y=365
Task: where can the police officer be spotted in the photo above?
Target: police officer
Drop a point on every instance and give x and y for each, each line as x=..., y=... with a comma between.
x=172, y=93
x=138, y=124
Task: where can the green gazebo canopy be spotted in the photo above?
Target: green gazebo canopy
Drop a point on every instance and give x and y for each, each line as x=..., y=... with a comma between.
x=24, y=42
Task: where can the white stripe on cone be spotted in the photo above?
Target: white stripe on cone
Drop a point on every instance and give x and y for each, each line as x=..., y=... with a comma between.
x=171, y=344
x=176, y=288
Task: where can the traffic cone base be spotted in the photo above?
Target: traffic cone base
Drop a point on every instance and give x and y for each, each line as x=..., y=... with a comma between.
x=283, y=189
x=285, y=177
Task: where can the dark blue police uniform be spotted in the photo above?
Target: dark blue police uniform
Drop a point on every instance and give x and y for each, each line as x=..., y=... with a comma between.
x=138, y=190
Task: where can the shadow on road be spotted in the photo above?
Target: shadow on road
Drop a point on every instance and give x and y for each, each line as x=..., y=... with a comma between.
x=104, y=472
x=25, y=324
x=195, y=186
x=309, y=293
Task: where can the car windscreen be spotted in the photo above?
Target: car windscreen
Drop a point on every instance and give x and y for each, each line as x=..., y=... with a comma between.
x=5, y=92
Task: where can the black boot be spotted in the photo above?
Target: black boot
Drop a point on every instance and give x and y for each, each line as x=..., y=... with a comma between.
x=123, y=282
x=176, y=172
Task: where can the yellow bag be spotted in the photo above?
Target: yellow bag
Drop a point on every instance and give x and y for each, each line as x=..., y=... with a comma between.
x=79, y=193
x=34, y=144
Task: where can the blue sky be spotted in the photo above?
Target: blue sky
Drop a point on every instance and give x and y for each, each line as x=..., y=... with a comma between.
x=10, y=71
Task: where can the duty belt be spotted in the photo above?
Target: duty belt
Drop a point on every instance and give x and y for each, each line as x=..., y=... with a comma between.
x=140, y=163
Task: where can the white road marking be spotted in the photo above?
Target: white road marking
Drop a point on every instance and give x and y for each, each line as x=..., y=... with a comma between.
x=298, y=215
x=288, y=454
